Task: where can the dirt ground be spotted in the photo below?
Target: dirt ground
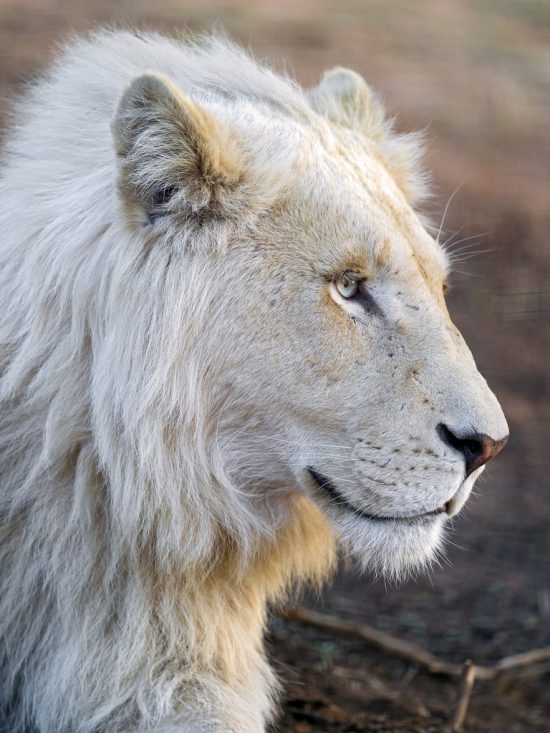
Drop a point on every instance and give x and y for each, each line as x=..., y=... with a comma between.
x=476, y=75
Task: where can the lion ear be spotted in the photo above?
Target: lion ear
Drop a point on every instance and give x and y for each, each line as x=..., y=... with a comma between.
x=171, y=150
x=346, y=99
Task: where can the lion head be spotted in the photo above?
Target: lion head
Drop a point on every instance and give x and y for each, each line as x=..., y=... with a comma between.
x=312, y=304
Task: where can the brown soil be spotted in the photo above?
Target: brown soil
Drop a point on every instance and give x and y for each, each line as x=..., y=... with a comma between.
x=476, y=74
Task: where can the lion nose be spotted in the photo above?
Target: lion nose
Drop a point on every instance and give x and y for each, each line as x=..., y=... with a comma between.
x=476, y=448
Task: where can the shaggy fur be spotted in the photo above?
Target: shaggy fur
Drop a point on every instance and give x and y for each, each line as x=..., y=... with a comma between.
x=174, y=354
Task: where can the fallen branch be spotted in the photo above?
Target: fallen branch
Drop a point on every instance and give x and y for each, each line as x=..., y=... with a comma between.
x=525, y=659
x=465, y=686
x=378, y=639
x=412, y=652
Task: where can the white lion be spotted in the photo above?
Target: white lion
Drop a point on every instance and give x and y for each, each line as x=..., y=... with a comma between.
x=224, y=349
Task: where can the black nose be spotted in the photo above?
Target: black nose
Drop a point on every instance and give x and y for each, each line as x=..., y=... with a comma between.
x=477, y=448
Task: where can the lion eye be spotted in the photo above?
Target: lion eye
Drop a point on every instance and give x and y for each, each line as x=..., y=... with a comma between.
x=347, y=285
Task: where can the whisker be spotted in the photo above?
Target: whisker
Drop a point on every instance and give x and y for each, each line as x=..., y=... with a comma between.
x=461, y=250
x=463, y=257
x=451, y=197
x=454, y=544
x=451, y=246
x=468, y=274
x=450, y=238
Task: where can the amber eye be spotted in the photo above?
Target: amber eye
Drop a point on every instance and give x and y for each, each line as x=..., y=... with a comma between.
x=347, y=285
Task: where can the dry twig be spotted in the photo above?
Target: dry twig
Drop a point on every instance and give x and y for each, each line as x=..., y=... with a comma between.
x=466, y=684
x=374, y=637
x=412, y=652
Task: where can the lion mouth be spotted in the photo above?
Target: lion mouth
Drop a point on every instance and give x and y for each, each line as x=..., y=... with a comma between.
x=328, y=487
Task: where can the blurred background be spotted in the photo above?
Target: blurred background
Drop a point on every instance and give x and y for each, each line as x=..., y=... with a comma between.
x=476, y=75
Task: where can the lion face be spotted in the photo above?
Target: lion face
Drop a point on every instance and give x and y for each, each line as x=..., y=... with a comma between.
x=370, y=400
x=340, y=369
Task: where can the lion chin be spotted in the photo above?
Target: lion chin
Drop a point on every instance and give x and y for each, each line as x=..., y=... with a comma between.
x=225, y=356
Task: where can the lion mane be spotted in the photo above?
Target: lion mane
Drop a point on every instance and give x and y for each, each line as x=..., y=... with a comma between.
x=134, y=577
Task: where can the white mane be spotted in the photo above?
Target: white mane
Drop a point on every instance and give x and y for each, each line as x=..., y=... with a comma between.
x=88, y=452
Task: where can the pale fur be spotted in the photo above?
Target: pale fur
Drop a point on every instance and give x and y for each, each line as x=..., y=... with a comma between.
x=173, y=357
